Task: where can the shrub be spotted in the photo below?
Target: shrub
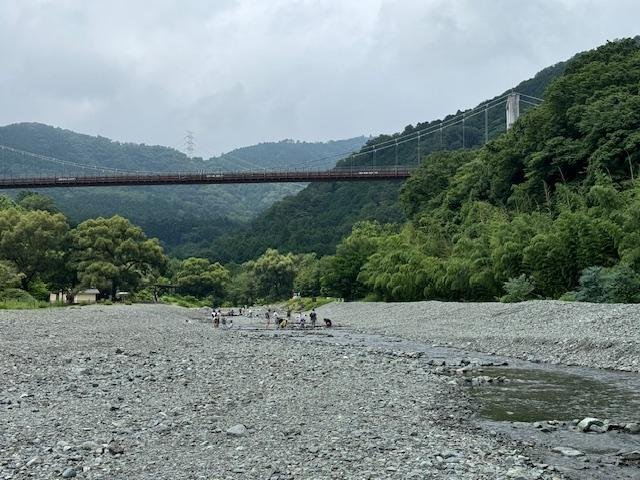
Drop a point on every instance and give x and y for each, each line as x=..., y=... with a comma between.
x=16, y=295
x=307, y=303
x=619, y=284
x=518, y=289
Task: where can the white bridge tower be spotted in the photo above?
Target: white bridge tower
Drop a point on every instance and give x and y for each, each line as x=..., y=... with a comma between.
x=513, y=109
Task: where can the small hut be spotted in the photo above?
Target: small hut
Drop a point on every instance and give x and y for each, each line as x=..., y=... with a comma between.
x=90, y=295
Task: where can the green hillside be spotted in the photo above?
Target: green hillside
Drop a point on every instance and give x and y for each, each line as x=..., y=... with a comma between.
x=181, y=216
x=317, y=218
x=550, y=209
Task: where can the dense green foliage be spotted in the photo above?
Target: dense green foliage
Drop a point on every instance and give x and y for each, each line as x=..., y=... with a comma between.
x=33, y=242
x=40, y=253
x=184, y=218
x=200, y=278
x=113, y=254
x=548, y=209
x=317, y=218
x=555, y=199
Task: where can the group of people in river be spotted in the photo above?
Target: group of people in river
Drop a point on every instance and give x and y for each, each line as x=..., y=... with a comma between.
x=280, y=321
x=222, y=319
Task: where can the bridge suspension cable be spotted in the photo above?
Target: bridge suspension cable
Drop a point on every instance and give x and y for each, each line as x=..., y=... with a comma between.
x=374, y=149
x=69, y=163
x=411, y=136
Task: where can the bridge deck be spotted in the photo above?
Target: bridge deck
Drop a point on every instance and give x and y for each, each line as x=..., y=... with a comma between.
x=193, y=178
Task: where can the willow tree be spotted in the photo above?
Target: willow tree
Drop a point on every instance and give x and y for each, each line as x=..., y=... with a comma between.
x=33, y=241
x=114, y=254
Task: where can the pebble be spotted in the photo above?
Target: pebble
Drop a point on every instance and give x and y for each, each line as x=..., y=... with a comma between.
x=568, y=451
x=237, y=430
x=587, y=334
x=69, y=473
x=182, y=388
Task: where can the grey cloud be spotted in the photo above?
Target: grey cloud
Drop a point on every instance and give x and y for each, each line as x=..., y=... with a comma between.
x=243, y=71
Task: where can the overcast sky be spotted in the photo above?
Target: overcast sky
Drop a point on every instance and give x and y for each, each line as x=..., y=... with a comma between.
x=238, y=72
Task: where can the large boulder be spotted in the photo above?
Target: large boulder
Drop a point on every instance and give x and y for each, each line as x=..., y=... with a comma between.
x=586, y=424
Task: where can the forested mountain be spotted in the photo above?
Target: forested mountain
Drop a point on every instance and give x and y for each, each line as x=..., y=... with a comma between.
x=317, y=218
x=180, y=216
x=549, y=209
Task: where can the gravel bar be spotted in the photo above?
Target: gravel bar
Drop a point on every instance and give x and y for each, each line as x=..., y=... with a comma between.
x=153, y=392
x=570, y=333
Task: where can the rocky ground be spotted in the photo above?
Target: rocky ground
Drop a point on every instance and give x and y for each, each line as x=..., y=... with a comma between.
x=143, y=392
x=591, y=335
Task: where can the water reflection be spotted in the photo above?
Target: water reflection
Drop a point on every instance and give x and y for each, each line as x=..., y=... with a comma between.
x=536, y=394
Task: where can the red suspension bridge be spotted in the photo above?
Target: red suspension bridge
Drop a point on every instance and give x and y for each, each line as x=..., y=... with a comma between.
x=348, y=171
x=193, y=178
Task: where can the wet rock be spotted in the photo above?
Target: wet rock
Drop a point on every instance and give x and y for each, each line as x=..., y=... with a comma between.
x=598, y=428
x=586, y=423
x=633, y=456
x=632, y=428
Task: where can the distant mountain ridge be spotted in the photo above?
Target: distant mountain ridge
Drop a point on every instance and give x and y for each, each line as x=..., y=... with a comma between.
x=177, y=215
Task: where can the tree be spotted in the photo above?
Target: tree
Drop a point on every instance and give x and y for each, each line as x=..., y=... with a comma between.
x=34, y=241
x=307, y=279
x=274, y=274
x=201, y=278
x=339, y=272
x=6, y=202
x=36, y=201
x=242, y=289
x=9, y=276
x=112, y=253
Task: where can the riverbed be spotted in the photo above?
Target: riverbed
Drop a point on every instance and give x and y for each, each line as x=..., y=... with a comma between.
x=148, y=391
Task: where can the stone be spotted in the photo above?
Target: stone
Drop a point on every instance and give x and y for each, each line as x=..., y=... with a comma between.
x=568, y=451
x=237, y=430
x=33, y=461
x=89, y=445
x=518, y=473
x=633, y=456
x=116, y=449
x=585, y=424
x=632, y=428
x=69, y=473
x=598, y=428
x=449, y=454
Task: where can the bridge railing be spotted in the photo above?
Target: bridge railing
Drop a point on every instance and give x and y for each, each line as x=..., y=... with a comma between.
x=202, y=177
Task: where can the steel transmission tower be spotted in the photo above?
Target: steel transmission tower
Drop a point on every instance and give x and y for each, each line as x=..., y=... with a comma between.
x=189, y=142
